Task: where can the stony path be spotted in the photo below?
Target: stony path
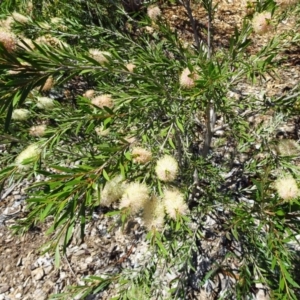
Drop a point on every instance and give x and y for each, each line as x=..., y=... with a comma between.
x=27, y=274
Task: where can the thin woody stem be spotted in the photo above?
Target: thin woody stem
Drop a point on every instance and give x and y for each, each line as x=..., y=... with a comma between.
x=187, y=5
x=210, y=108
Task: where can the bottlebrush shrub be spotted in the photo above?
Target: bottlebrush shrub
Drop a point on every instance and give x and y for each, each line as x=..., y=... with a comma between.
x=145, y=125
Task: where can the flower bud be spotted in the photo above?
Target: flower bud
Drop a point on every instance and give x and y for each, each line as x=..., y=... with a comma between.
x=20, y=114
x=45, y=103
x=38, y=130
x=31, y=152
x=89, y=94
x=8, y=40
x=153, y=12
x=99, y=56
x=103, y=101
x=187, y=79
x=141, y=155
x=101, y=131
x=48, y=84
x=130, y=67
x=20, y=18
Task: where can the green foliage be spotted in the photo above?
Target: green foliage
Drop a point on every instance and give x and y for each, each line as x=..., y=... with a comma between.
x=151, y=105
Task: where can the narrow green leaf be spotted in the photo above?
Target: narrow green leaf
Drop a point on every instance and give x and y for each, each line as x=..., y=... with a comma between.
x=72, y=182
x=105, y=175
x=103, y=284
x=107, y=121
x=178, y=225
x=50, y=230
x=159, y=188
x=281, y=284
x=171, y=143
x=45, y=212
x=280, y=212
x=274, y=263
x=235, y=234
x=8, y=117
x=161, y=247
x=113, y=213
x=57, y=257
x=69, y=233
x=63, y=169
x=122, y=169
x=79, y=125
x=6, y=170
x=179, y=125
x=127, y=155
x=291, y=280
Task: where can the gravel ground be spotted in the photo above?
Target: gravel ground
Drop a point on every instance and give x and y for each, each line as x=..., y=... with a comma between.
x=26, y=273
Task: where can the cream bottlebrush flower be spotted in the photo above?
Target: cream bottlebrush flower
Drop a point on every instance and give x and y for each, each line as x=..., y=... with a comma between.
x=288, y=147
x=261, y=22
x=48, y=84
x=153, y=12
x=174, y=203
x=31, y=152
x=130, y=140
x=287, y=187
x=20, y=18
x=130, y=67
x=12, y=72
x=99, y=56
x=102, y=101
x=149, y=29
x=141, y=155
x=29, y=7
x=89, y=94
x=44, y=38
x=49, y=40
x=17, y=70
x=101, y=131
x=135, y=196
x=187, y=79
x=112, y=191
x=154, y=214
x=166, y=168
x=8, y=40
x=6, y=23
x=20, y=114
x=38, y=130
x=56, y=20
x=45, y=103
